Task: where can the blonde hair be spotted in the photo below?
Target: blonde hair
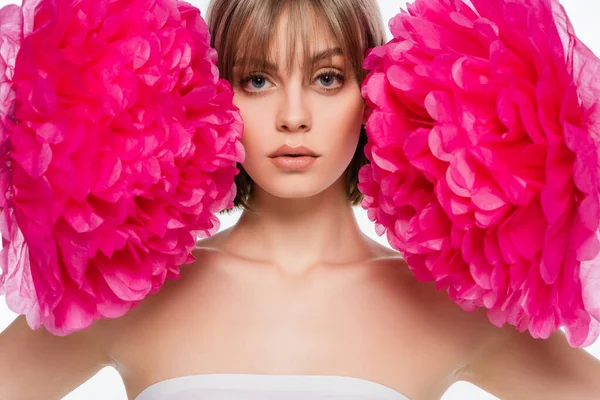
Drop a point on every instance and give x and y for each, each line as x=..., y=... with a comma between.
x=242, y=30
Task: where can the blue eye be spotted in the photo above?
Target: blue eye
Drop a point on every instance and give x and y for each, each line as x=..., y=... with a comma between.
x=331, y=80
x=326, y=79
x=258, y=82
x=255, y=82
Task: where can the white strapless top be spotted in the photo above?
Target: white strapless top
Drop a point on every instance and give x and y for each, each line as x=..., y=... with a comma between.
x=268, y=387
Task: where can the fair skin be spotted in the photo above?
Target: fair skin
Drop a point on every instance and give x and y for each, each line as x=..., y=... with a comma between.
x=302, y=217
x=297, y=288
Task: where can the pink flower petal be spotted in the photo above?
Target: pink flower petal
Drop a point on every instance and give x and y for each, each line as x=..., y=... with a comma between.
x=496, y=106
x=119, y=143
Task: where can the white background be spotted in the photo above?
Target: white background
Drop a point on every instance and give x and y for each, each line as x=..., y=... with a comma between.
x=107, y=384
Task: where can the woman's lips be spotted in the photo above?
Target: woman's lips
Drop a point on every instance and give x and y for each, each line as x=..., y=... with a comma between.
x=293, y=163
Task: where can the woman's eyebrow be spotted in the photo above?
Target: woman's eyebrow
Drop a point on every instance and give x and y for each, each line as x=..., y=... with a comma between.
x=325, y=54
x=270, y=66
x=255, y=62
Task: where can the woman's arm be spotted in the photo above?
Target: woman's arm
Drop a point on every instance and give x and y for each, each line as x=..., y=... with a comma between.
x=38, y=365
x=513, y=365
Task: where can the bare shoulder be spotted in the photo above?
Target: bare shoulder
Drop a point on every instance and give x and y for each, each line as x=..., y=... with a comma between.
x=444, y=336
x=393, y=276
x=116, y=334
x=500, y=360
x=164, y=308
x=512, y=364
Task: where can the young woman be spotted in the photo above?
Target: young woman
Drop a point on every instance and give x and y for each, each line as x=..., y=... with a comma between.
x=294, y=301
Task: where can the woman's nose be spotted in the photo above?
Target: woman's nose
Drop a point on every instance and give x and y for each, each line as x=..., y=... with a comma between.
x=294, y=114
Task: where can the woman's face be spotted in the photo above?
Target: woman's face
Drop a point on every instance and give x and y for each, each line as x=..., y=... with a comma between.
x=279, y=108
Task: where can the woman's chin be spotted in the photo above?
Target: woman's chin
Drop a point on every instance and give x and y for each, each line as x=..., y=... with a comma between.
x=295, y=190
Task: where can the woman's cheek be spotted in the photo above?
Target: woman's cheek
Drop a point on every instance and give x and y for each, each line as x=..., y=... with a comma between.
x=255, y=146
x=351, y=123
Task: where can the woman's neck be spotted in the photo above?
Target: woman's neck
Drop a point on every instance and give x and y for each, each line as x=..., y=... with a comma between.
x=296, y=235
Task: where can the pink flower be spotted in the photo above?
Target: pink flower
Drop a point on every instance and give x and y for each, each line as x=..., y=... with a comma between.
x=119, y=144
x=484, y=135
